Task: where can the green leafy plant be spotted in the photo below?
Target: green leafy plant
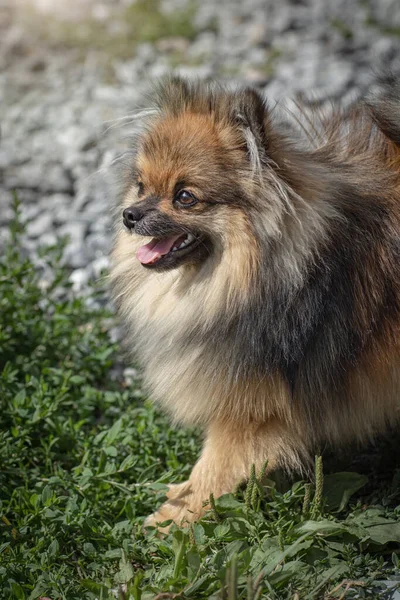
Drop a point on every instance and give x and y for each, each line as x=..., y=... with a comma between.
x=84, y=459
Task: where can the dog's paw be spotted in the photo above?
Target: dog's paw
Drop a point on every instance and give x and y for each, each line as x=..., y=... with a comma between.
x=154, y=520
x=182, y=507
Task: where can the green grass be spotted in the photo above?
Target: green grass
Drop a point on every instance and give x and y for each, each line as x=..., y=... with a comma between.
x=84, y=460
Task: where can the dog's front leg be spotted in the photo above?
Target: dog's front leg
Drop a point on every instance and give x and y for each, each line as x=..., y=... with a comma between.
x=229, y=452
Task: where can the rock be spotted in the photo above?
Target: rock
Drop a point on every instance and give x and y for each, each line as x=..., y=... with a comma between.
x=159, y=69
x=79, y=279
x=130, y=375
x=257, y=33
x=385, y=49
x=207, y=17
x=6, y=211
x=98, y=244
x=100, y=223
x=257, y=57
x=74, y=230
x=76, y=138
x=56, y=179
x=284, y=18
x=4, y=237
x=255, y=76
x=203, y=46
x=75, y=254
x=116, y=334
x=48, y=239
x=60, y=207
x=14, y=41
x=100, y=265
x=39, y=226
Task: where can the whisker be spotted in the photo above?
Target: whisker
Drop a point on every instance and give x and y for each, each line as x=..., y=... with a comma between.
x=133, y=117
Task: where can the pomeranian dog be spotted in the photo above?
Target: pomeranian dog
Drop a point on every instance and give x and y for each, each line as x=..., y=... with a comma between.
x=257, y=266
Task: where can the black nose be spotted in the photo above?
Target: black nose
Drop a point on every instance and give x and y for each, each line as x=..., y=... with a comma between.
x=131, y=216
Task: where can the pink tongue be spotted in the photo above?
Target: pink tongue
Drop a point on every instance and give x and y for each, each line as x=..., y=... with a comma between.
x=154, y=250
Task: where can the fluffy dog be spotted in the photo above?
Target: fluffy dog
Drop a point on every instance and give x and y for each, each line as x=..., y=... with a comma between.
x=257, y=266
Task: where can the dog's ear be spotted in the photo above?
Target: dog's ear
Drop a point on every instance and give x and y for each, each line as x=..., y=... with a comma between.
x=172, y=94
x=249, y=109
x=249, y=112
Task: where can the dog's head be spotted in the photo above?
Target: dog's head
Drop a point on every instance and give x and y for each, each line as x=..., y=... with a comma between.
x=198, y=173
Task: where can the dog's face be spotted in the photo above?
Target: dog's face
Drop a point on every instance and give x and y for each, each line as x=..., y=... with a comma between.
x=192, y=186
x=185, y=190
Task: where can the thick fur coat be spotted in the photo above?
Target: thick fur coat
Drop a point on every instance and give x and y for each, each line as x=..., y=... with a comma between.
x=275, y=326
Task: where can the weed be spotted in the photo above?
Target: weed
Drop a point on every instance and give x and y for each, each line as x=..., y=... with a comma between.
x=84, y=460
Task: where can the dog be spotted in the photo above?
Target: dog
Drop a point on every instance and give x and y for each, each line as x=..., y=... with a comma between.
x=257, y=267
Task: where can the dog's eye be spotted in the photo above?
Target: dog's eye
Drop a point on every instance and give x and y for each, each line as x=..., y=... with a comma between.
x=140, y=188
x=185, y=199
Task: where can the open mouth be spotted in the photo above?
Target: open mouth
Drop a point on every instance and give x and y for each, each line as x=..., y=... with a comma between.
x=171, y=247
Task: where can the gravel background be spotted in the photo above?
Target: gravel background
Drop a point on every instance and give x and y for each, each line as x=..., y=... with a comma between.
x=68, y=73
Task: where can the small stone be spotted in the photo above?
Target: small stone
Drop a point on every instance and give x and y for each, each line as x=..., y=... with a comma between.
x=207, y=16
x=130, y=375
x=257, y=57
x=203, y=46
x=98, y=244
x=77, y=138
x=255, y=76
x=257, y=33
x=283, y=19
x=159, y=69
x=145, y=52
x=75, y=254
x=98, y=224
x=79, y=279
x=39, y=226
x=6, y=211
x=4, y=237
x=384, y=48
x=55, y=179
x=60, y=207
x=116, y=334
x=100, y=265
x=14, y=41
x=74, y=230
x=48, y=239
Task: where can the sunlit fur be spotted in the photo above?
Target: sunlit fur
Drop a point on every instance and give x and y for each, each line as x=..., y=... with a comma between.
x=285, y=337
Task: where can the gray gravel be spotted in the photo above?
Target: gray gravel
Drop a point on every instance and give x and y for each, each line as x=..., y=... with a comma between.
x=58, y=102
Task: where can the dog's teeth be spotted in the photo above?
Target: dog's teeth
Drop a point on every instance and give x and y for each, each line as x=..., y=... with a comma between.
x=188, y=240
